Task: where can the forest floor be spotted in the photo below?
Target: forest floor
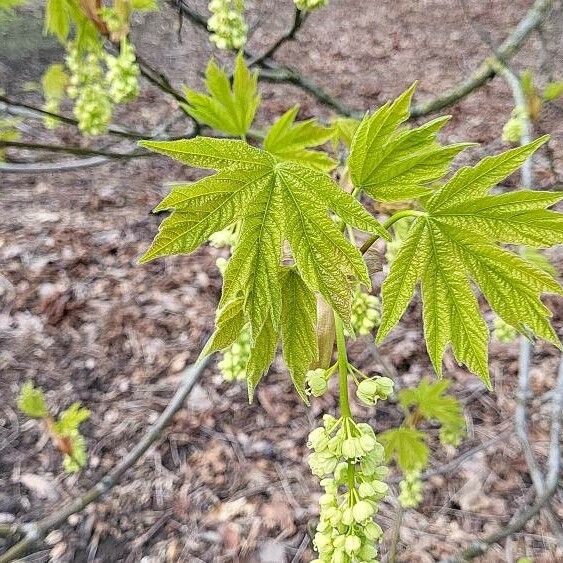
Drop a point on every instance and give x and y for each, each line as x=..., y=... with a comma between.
x=228, y=481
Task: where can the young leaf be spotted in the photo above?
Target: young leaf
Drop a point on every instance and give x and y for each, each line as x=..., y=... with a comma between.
x=343, y=130
x=454, y=244
x=70, y=419
x=275, y=201
x=31, y=401
x=225, y=108
x=54, y=81
x=78, y=456
x=393, y=164
x=430, y=400
x=553, y=91
x=407, y=445
x=290, y=141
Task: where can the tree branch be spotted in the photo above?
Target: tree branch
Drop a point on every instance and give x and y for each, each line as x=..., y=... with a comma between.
x=42, y=167
x=272, y=71
x=512, y=44
x=71, y=149
x=299, y=18
x=36, y=531
x=27, y=110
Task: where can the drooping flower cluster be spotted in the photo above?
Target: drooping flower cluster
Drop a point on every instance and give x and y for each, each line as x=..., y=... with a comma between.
x=410, y=490
x=365, y=312
x=349, y=461
x=503, y=332
x=227, y=23
x=123, y=74
x=92, y=106
x=95, y=87
x=235, y=358
x=310, y=4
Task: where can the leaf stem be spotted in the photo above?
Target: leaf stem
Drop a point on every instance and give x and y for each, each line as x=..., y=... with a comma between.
x=342, y=367
x=393, y=219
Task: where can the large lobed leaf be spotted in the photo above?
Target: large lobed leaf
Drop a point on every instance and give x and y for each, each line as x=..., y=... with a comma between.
x=453, y=245
x=275, y=202
x=391, y=163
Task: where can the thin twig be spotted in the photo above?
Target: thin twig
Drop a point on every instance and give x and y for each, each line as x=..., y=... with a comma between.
x=36, y=531
x=269, y=70
x=299, y=18
x=512, y=44
x=72, y=149
x=42, y=167
x=12, y=107
x=526, y=347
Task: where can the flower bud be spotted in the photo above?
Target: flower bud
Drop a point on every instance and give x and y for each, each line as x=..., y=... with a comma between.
x=367, y=392
x=361, y=511
x=352, y=544
x=373, y=531
x=384, y=387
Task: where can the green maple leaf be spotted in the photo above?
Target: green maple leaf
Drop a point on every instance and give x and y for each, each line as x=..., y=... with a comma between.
x=297, y=332
x=407, y=445
x=454, y=243
x=290, y=141
x=228, y=109
x=298, y=328
x=276, y=202
x=430, y=400
x=391, y=163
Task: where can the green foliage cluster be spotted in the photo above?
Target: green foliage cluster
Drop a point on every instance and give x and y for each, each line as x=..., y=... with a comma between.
x=407, y=444
x=289, y=248
x=64, y=431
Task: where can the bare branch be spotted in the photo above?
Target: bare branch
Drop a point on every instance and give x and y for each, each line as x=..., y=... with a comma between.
x=36, y=531
x=41, y=167
x=27, y=110
x=272, y=71
x=532, y=20
x=299, y=18
x=71, y=149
